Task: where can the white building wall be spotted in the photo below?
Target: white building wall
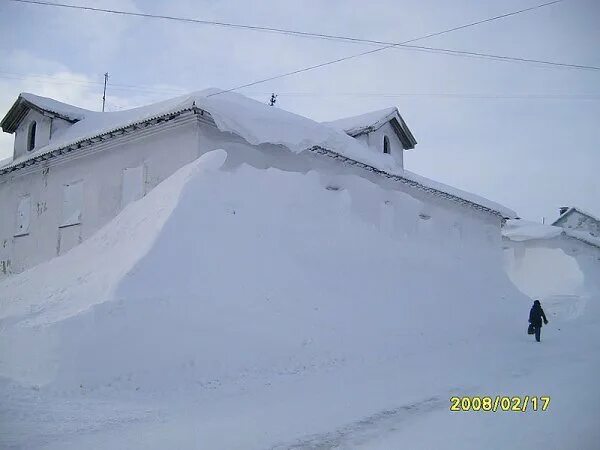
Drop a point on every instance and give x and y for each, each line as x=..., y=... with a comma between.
x=42, y=133
x=162, y=149
x=374, y=141
x=100, y=173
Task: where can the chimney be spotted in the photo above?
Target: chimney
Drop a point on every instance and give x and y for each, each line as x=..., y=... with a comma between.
x=562, y=210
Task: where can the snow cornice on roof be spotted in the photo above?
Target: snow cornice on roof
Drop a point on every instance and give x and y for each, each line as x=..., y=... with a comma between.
x=26, y=102
x=257, y=124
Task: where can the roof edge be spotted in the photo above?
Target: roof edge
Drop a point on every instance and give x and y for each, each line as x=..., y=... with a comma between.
x=92, y=139
x=19, y=110
x=398, y=124
x=503, y=215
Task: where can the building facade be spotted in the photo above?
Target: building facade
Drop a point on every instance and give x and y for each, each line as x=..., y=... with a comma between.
x=74, y=170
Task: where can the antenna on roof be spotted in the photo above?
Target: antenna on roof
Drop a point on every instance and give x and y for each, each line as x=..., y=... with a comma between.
x=104, y=93
x=273, y=100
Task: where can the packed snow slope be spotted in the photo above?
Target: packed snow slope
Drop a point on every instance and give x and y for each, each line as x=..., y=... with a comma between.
x=241, y=308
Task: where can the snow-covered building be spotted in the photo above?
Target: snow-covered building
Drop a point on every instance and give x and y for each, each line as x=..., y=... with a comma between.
x=74, y=170
x=575, y=218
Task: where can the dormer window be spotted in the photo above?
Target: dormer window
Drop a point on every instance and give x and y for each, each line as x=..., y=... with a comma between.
x=386, y=145
x=31, y=136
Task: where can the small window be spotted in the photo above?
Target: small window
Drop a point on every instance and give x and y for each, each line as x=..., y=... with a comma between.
x=31, y=136
x=386, y=145
x=132, y=188
x=72, y=203
x=23, y=216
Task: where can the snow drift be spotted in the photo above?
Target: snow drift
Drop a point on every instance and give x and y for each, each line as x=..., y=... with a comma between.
x=218, y=274
x=279, y=304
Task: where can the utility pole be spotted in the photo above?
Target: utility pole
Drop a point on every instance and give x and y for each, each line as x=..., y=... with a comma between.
x=104, y=94
x=273, y=100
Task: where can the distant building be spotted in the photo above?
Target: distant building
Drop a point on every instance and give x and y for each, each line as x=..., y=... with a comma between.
x=576, y=219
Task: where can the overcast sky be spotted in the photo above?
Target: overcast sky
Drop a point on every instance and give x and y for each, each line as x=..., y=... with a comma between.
x=524, y=135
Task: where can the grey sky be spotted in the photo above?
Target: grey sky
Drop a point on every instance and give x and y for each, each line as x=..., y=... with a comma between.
x=531, y=154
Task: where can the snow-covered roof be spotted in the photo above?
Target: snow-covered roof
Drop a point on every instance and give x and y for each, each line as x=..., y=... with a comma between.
x=369, y=122
x=573, y=209
x=522, y=230
x=255, y=122
x=26, y=102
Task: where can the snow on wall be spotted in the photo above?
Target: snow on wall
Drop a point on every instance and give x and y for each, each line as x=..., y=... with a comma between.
x=285, y=270
x=101, y=177
x=544, y=272
x=544, y=260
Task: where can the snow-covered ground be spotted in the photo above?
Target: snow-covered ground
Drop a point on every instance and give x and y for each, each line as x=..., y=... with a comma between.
x=257, y=309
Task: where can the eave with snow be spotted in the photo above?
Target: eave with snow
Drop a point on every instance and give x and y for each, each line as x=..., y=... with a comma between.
x=45, y=106
x=163, y=130
x=366, y=124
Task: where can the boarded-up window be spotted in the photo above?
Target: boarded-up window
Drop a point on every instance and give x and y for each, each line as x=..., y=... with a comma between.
x=133, y=185
x=72, y=203
x=23, y=216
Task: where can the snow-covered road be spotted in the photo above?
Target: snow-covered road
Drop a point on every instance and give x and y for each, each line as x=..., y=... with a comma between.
x=347, y=405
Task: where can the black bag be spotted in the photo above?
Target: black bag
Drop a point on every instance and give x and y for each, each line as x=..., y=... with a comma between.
x=530, y=329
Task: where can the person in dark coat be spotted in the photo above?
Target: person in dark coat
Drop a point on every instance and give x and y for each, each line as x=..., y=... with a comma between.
x=535, y=318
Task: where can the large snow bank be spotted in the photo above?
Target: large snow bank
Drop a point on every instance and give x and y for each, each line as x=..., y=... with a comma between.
x=260, y=301
x=90, y=272
x=247, y=270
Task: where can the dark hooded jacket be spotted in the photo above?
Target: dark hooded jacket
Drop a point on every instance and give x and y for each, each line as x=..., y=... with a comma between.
x=537, y=314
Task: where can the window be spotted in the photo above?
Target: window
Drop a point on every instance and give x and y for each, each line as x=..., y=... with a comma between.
x=31, y=136
x=72, y=203
x=132, y=188
x=386, y=145
x=23, y=216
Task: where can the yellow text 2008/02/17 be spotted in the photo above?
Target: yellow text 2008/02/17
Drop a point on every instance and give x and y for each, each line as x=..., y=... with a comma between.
x=496, y=403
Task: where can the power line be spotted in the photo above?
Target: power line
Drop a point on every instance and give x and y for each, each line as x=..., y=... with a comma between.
x=391, y=45
x=584, y=96
x=264, y=28
x=449, y=95
x=357, y=55
x=66, y=81
x=350, y=39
